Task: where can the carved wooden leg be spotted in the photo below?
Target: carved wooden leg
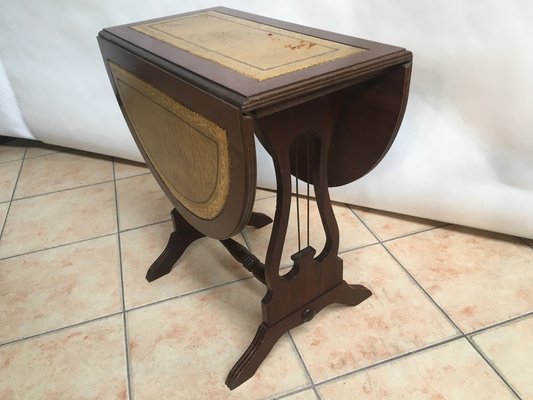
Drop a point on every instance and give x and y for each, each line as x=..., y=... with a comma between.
x=184, y=234
x=267, y=335
x=265, y=338
x=259, y=220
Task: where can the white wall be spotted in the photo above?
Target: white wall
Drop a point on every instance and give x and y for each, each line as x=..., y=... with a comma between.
x=463, y=155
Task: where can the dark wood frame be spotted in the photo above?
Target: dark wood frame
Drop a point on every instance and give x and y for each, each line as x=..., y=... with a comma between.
x=250, y=94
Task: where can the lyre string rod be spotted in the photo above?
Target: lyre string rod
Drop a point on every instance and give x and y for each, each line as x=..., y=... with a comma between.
x=307, y=148
x=297, y=196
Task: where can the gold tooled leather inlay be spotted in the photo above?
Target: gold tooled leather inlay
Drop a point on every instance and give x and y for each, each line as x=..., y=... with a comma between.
x=189, y=152
x=256, y=50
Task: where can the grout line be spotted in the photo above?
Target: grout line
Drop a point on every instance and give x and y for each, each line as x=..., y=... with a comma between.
x=82, y=240
x=246, y=242
x=390, y=360
x=304, y=365
x=358, y=248
x=364, y=223
x=133, y=176
x=291, y=393
x=43, y=155
x=12, y=195
x=11, y=161
x=501, y=323
x=123, y=298
x=264, y=198
x=444, y=225
x=193, y=292
x=54, y=148
x=35, y=144
x=79, y=187
x=424, y=291
x=57, y=246
x=145, y=226
x=412, y=277
x=132, y=309
x=63, y=190
x=409, y=354
x=60, y=329
x=493, y=367
x=24, y=143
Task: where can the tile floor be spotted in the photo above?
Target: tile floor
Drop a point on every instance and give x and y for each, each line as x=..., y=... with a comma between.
x=451, y=316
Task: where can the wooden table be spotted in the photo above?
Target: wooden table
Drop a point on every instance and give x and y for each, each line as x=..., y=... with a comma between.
x=196, y=87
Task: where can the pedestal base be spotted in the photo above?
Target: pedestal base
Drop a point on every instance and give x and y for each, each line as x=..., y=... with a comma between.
x=184, y=234
x=279, y=313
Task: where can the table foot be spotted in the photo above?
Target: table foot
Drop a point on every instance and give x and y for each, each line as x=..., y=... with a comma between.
x=265, y=338
x=259, y=220
x=184, y=234
x=267, y=335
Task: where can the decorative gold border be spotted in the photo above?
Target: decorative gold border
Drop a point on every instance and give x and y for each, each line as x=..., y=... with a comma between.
x=214, y=205
x=292, y=51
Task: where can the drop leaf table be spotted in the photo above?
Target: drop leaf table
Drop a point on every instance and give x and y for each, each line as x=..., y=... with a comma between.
x=196, y=88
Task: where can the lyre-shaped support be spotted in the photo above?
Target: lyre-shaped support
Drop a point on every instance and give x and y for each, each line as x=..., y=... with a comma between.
x=313, y=282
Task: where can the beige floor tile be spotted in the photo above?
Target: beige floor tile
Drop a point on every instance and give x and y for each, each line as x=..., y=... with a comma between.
x=453, y=372
x=397, y=318
x=126, y=168
x=9, y=172
x=510, y=349
x=83, y=362
x=141, y=202
x=352, y=232
x=13, y=150
x=37, y=223
x=3, y=213
x=205, y=263
x=264, y=194
x=478, y=278
x=59, y=171
x=191, y=344
x=387, y=225
x=37, y=149
x=54, y=288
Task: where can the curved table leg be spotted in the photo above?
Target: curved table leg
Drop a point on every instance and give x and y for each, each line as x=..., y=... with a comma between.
x=259, y=220
x=267, y=336
x=184, y=234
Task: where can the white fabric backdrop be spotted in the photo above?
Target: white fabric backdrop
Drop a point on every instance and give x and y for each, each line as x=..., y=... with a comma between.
x=463, y=154
x=11, y=121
